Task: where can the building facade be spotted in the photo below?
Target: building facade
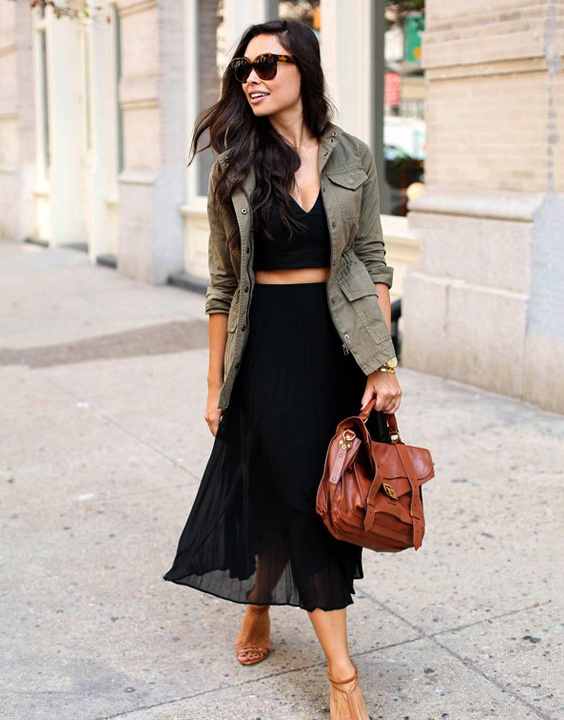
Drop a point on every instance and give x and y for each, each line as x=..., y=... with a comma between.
x=96, y=118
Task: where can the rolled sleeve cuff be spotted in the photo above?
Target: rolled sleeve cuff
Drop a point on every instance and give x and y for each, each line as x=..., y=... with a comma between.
x=382, y=274
x=217, y=303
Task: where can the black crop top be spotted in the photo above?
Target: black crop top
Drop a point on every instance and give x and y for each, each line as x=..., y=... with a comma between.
x=308, y=249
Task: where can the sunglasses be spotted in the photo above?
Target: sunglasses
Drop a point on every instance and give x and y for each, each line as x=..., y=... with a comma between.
x=265, y=65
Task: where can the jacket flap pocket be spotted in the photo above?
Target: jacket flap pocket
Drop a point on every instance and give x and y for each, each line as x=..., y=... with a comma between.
x=350, y=178
x=357, y=286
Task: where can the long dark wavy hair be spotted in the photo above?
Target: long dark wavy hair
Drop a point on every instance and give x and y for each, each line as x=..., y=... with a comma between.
x=253, y=140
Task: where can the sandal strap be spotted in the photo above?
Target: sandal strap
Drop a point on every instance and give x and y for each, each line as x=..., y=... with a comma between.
x=336, y=683
x=258, y=609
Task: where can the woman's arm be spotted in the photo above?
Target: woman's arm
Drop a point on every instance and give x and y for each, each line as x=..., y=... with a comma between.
x=383, y=385
x=219, y=295
x=383, y=292
x=369, y=247
x=217, y=333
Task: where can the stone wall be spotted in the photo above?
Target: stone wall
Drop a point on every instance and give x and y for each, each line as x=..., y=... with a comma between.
x=485, y=304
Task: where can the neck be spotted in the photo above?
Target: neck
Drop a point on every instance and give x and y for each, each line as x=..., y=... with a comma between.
x=292, y=128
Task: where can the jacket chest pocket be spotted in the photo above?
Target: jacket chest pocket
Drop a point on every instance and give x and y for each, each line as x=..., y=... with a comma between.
x=347, y=185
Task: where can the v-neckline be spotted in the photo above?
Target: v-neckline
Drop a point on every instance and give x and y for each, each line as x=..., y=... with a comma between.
x=307, y=212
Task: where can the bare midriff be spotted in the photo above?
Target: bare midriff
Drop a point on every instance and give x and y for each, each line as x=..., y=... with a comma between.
x=284, y=277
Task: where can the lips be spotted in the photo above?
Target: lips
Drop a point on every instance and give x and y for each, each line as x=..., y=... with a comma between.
x=257, y=96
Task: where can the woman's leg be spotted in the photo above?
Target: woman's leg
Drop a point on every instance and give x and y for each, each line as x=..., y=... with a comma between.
x=253, y=643
x=331, y=629
x=346, y=700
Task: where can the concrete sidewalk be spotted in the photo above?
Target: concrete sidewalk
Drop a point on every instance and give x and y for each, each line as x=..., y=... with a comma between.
x=102, y=391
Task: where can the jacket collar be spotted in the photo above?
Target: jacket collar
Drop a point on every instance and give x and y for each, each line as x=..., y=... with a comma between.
x=327, y=142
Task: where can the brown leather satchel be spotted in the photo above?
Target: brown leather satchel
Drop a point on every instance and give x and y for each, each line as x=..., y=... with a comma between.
x=370, y=492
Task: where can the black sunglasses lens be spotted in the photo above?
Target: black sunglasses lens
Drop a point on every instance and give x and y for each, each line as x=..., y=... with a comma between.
x=242, y=70
x=266, y=68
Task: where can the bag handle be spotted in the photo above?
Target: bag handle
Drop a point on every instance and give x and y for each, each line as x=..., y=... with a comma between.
x=390, y=420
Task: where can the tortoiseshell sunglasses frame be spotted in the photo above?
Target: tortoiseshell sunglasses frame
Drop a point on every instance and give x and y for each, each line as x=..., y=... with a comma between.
x=237, y=62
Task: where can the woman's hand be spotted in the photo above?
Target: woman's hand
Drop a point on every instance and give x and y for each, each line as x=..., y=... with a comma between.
x=386, y=388
x=213, y=413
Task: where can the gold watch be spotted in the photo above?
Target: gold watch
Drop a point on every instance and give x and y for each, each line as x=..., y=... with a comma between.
x=389, y=366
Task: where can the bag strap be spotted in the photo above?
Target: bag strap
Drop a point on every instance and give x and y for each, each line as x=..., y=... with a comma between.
x=390, y=419
x=416, y=507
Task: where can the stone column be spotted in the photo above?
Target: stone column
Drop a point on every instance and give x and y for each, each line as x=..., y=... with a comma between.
x=152, y=184
x=485, y=304
x=67, y=122
x=103, y=121
x=17, y=122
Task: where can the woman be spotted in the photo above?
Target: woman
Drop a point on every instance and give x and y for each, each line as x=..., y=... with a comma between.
x=299, y=318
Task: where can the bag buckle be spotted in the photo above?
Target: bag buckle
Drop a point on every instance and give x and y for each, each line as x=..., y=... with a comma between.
x=390, y=491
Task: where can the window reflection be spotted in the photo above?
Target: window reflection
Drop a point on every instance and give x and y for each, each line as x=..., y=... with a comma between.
x=211, y=49
x=404, y=95
x=308, y=12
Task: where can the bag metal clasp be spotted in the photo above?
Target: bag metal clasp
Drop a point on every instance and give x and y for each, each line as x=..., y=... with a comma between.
x=390, y=491
x=346, y=440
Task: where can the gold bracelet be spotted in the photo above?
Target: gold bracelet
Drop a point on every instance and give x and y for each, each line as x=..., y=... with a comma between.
x=389, y=366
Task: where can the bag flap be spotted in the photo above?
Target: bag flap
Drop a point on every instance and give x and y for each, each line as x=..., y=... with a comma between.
x=391, y=467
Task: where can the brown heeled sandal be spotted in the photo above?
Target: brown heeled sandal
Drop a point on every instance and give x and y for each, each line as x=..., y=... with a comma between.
x=253, y=644
x=347, y=703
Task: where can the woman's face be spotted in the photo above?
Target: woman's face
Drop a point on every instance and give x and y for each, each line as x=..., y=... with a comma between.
x=282, y=93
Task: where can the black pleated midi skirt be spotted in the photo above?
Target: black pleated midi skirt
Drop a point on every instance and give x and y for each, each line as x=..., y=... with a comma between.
x=252, y=534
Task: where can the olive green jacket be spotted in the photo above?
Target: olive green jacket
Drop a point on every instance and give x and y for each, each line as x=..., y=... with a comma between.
x=349, y=188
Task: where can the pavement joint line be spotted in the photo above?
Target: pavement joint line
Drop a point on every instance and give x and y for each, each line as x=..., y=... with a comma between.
x=470, y=664
x=160, y=488
x=455, y=628
x=421, y=636
x=496, y=683
x=211, y=691
x=111, y=421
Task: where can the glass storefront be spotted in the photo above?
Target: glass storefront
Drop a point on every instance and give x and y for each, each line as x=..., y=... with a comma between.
x=404, y=130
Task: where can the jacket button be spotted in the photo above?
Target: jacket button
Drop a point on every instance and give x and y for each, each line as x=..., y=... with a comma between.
x=347, y=336
x=243, y=211
x=333, y=133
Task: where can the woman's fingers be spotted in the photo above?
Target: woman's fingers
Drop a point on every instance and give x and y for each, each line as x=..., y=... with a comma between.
x=212, y=421
x=386, y=389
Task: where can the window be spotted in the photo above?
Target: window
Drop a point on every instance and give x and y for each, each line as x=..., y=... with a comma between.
x=305, y=11
x=404, y=129
x=211, y=51
x=44, y=99
x=116, y=20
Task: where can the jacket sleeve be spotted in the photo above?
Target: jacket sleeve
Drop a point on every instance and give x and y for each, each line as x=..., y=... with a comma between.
x=369, y=242
x=223, y=278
